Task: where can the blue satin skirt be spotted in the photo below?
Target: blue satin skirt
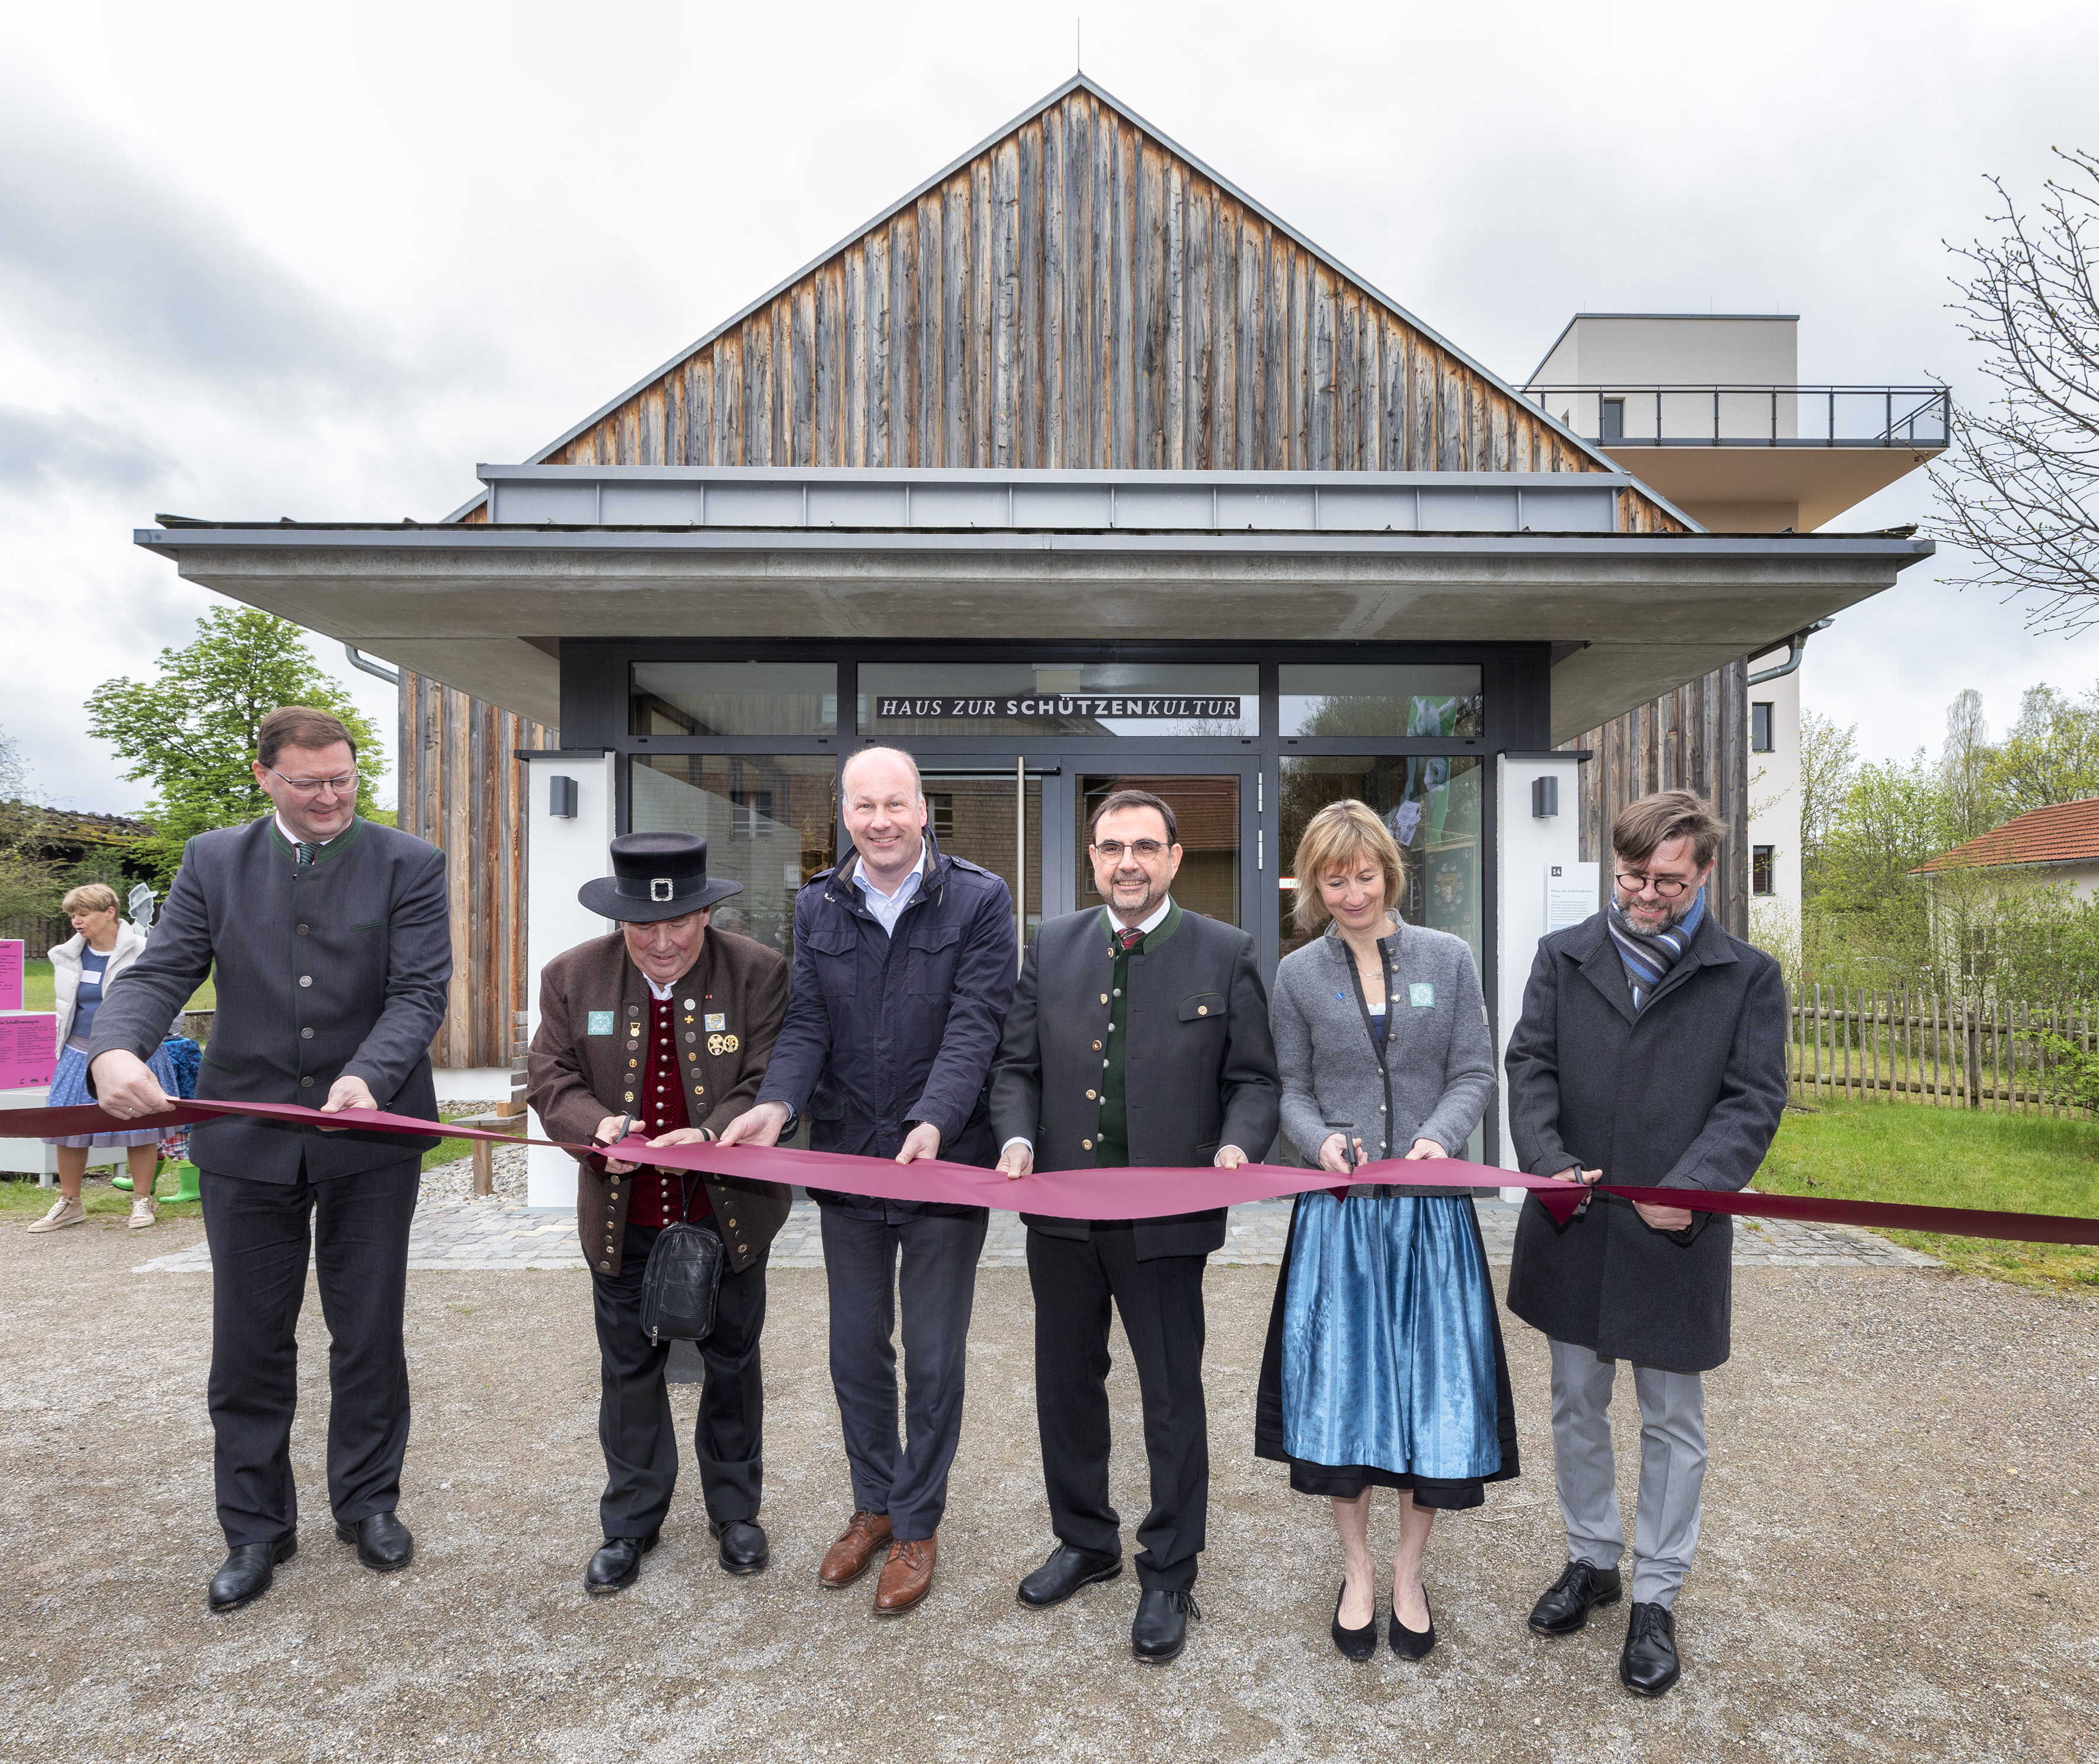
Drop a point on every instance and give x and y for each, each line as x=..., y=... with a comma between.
x=1388, y=1337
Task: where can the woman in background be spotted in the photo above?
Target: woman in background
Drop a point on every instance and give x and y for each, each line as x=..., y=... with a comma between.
x=103, y=945
x=1384, y=1366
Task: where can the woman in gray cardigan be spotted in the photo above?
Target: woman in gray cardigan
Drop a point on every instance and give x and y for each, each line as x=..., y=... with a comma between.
x=1384, y=1364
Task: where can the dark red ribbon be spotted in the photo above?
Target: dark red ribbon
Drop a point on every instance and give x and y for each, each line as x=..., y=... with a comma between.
x=1146, y=1192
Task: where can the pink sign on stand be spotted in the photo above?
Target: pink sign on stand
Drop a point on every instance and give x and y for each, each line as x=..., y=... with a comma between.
x=28, y=1050
x=11, y=974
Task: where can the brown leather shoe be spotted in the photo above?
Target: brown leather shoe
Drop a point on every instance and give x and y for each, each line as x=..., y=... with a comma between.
x=848, y=1559
x=907, y=1576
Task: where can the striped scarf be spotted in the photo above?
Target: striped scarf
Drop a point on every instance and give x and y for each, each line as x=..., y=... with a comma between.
x=1648, y=956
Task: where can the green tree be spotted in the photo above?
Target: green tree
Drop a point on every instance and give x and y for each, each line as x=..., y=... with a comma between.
x=1828, y=763
x=2051, y=753
x=191, y=730
x=1964, y=763
x=28, y=887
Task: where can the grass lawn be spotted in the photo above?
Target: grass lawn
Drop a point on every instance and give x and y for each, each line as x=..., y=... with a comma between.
x=39, y=991
x=1927, y=1157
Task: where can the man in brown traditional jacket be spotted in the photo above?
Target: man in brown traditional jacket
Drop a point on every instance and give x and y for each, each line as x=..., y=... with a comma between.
x=664, y=1027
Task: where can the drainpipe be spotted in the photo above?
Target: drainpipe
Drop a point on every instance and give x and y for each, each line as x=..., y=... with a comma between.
x=1796, y=650
x=364, y=664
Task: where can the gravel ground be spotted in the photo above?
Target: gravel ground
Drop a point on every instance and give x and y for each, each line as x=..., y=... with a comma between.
x=1898, y=1524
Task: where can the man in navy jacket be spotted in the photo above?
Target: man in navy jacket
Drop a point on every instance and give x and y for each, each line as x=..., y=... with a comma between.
x=903, y=966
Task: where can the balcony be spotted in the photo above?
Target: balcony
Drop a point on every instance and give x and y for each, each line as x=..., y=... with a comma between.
x=1757, y=458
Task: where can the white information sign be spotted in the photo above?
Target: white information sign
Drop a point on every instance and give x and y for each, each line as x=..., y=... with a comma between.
x=1570, y=895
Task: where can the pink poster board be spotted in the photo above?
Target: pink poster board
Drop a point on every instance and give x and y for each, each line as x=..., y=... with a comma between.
x=28, y=1048
x=11, y=974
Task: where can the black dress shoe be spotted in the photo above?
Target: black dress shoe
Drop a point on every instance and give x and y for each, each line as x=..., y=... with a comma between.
x=245, y=1574
x=1357, y=1644
x=383, y=1543
x=744, y=1550
x=617, y=1563
x=1648, y=1664
x=1067, y=1570
x=1159, y=1630
x=1566, y=1603
x=1411, y=1644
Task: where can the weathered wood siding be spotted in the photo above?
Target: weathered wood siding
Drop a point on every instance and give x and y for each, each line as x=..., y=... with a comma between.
x=461, y=789
x=1696, y=738
x=1079, y=295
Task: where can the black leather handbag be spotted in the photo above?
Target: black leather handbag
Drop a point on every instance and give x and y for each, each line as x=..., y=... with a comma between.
x=681, y=1283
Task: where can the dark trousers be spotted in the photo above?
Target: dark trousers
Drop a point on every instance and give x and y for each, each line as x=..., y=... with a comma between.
x=355, y=1229
x=1161, y=1303
x=634, y=1423
x=932, y=1258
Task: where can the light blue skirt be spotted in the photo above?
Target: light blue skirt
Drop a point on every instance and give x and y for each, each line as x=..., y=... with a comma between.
x=69, y=1091
x=1388, y=1337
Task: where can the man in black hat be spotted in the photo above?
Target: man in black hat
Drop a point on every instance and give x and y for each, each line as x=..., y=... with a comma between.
x=664, y=1028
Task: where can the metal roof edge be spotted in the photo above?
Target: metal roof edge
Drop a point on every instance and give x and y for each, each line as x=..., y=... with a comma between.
x=1077, y=83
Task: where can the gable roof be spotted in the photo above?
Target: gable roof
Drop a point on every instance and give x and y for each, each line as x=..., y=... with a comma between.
x=2062, y=833
x=1078, y=291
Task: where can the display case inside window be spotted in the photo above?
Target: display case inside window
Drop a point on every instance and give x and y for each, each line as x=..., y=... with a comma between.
x=1350, y=700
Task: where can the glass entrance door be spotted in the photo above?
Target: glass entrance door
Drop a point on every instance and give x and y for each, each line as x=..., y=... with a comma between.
x=993, y=819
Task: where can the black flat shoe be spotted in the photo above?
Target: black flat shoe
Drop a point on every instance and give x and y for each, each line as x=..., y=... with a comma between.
x=744, y=1550
x=1358, y=1644
x=245, y=1574
x=1159, y=1630
x=1067, y=1570
x=617, y=1563
x=383, y=1543
x=1564, y=1606
x=1411, y=1644
x=1648, y=1665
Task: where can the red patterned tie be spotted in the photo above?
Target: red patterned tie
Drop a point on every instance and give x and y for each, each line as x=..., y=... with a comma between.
x=1129, y=939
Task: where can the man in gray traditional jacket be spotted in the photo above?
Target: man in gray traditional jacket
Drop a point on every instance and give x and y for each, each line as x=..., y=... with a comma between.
x=1651, y=1054
x=330, y=943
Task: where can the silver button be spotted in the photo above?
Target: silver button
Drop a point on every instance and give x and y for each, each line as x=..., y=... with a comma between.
x=306, y=980
x=1118, y=992
x=305, y=1084
x=305, y=1035
x=1380, y=1108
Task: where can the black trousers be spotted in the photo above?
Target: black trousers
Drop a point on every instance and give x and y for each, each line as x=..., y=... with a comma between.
x=634, y=1421
x=932, y=1260
x=354, y=1230
x=1161, y=1304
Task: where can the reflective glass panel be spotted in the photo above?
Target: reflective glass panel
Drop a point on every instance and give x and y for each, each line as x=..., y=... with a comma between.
x=977, y=815
x=1206, y=824
x=1141, y=698
x=1346, y=701
x=733, y=698
x=1431, y=807
x=769, y=821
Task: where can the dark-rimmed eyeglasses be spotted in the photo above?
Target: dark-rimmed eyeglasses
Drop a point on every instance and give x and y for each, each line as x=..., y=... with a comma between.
x=1669, y=887
x=342, y=785
x=1144, y=850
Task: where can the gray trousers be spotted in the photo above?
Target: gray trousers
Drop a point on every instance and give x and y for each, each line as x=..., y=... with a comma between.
x=1672, y=1407
x=930, y=1261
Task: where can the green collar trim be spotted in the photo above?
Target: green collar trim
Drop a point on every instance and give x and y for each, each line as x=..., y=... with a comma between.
x=340, y=843
x=1158, y=935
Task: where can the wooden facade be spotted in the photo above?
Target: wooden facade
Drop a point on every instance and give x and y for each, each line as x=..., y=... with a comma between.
x=461, y=788
x=1696, y=738
x=1080, y=294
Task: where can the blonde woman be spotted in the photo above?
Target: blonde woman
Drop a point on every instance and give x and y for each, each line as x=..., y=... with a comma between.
x=1384, y=1366
x=83, y=967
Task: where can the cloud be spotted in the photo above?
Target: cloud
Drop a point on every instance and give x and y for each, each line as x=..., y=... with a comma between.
x=41, y=453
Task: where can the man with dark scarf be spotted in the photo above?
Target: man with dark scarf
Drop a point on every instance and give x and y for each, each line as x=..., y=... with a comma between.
x=1651, y=1053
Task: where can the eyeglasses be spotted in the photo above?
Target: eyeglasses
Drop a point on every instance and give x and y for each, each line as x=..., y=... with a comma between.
x=342, y=786
x=1669, y=887
x=1144, y=850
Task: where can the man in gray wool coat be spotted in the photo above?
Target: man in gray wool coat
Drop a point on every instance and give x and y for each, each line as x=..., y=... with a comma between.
x=1651, y=1054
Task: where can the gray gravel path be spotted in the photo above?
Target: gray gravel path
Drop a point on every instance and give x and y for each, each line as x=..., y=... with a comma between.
x=1897, y=1559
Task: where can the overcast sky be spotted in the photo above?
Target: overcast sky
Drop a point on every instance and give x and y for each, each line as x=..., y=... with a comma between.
x=267, y=261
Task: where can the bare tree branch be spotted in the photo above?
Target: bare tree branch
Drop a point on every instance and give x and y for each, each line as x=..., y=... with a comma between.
x=2020, y=491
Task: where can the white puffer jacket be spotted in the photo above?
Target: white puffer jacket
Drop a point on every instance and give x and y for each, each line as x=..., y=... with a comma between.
x=65, y=959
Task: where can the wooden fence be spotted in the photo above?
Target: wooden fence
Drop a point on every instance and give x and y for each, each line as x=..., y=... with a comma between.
x=1901, y=1044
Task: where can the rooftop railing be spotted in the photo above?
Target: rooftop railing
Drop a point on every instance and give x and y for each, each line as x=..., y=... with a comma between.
x=1751, y=416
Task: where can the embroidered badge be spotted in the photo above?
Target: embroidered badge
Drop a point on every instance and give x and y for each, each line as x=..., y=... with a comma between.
x=723, y=1044
x=1421, y=994
x=717, y=1020
x=601, y=1022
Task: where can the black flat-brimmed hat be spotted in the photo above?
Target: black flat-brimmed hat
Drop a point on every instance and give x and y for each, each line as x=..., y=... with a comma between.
x=655, y=876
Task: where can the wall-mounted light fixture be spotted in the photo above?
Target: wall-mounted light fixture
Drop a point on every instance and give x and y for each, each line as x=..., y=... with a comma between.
x=1545, y=798
x=562, y=799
